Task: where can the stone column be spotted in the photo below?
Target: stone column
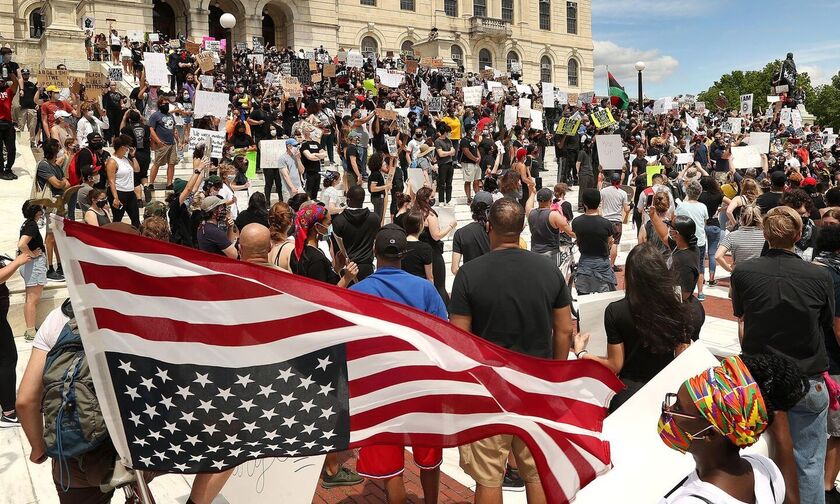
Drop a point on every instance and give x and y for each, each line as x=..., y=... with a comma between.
x=199, y=23
x=252, y=25
x=63, y=41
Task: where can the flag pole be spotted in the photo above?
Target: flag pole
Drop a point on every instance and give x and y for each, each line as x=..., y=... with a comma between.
x=143, y=487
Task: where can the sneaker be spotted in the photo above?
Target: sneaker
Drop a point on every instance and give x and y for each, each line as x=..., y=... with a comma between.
x=60, y=270
x=12, y=421
x=12, y=175
x=54, y=276
x=701, y=297
x=832, y=496
x=712, y=283
x=513, y=482
x=28, y=336
x=147, y=194
x=7, y=175
x=170, y=187
x=344, y=477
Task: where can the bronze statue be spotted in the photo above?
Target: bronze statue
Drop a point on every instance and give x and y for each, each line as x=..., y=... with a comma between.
x=787, y=74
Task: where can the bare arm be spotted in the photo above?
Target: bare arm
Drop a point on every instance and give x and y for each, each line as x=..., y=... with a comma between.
x=658, y=225
x=28, y=405
x=9, y=269
x=720, y=257
x=563, y=329
x=456, y=262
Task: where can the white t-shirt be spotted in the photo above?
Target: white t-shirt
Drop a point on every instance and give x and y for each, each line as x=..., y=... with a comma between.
x=50, y=330
x=226, y=193
x=414, y=148
x=332, y=196
x=769, y=486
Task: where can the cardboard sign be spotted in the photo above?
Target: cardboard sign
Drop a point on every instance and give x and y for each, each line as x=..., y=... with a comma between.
x=746, y=104
x=392, y=144
x=355, y=60
x=700, y=107
x=95, y=80
x=206, y=62
x=385, y=114
x=192, y=47
x=200, y=136
x=313, y=65
x=316, y=77
x=329, y=70
x=472, y=96
x=91, y=94
x=411, y=67
x=270, y=152
x=115, y=74
x=572, y=99
x=291, y=87
x=568, y=126
x=58, y=78
x=156, y=71
x=603, y=118
x=210, y=103
x=610, y=155
x=435, y=104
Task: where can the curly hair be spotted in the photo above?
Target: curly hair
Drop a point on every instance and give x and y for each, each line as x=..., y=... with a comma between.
x=279, y=220
x=796, y=198
x=155, y=227
x=781, y=382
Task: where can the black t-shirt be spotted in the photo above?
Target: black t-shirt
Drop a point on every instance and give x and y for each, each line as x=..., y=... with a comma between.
x=712, y=202
x=510, y=295
x=377, y=178
x=313, y=264
x=768, y=201
x=684, y=265
x=181, y=225
x=418, y=255
x=352, y=152
x=30, y=228
x=263, y=130
x=248, y=216
x=9, y=70
x=27, y=101
x=471, y=241
x=357, y=227
x=141, y=134
x=470, y=145
x=640, y=364
x=211, y=238
x=112, y=101
x=241, y=141
x=593, y=233
x=312, y=147
x=139, y=104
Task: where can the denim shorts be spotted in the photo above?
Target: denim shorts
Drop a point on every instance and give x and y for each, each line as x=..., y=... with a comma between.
x=34, y=272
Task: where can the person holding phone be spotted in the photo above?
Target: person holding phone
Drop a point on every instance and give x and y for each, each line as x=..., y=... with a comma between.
x=121, y=167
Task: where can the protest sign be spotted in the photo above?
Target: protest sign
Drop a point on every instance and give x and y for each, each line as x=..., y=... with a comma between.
x=537, y=120
x=156, y=72
x=267, y=479
x=561, y=97
x=385, y=114
x=446, y=216
x=153, y=37
x=461, y=83
x=208, y=103
x=200, y=136
x=58, y=78
x=355, y=60
x=746, y=104
x=828, y=140
x=662, y=105
x=402, y=124
x=241, y=46
x=309, y=55
x=136, y=36
x=291, y=87
x=411, y=67
x=286, y=68
x=313, y=65
x=692, y=123
x=745, y=157
x=390, y=78
x=773, y=99
x=510, y=116
x=785, y=116
x=684, y=158
x=416, y=179
x=591, y=312
x=731, y=125
x=610, y=155
x=472, y=96
x=760, y=140
x=316, y=77
x=270, y=152
x=258, y=44
x=115, y=74
x=300, y=69
x=329, y=71
x=700, y=107
x=523, y=89
x=259, y=59
x=424, y=91
x=651, y=171
x=572, y=98
x=392, y=144
x=370, y=85
x=603, y=118
x=435, y=104
x=213, y=45
x=95, y=80
x=192, y=47
x=568, y=126
x=206, y=61
x=516, y=66
x=487, y=74
x=206, y=82
x=548, y=94
x=781, y=89
x=586, y=98
x=342, y=56
x=796, y=119
x=525, y=108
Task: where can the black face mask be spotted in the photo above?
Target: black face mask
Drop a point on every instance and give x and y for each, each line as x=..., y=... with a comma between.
x=101, y=203
x=96, y=145
x=164, y=109
x=266, y=107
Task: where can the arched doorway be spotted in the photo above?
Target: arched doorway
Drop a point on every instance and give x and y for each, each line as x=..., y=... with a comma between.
x=370, y=47
x=278, y=28
x=163, y=19
x=216, y=31
x=268, y=30
x=215, y=11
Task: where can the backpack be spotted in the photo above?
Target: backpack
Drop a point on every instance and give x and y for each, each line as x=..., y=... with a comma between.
x=74, y=174
x=73, y=421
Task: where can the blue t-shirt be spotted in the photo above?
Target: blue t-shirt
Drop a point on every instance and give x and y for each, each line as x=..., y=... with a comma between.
x=397, y=285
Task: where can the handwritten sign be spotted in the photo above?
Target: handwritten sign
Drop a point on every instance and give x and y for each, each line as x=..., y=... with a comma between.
x=609, y=151
x=115, y=74
x=201, y=136
x=390, y=78
x=192, y=47
x=472, y=96
x=524, y=108
x=270, y=152
x=206, y=81
x=329, y=70
x=208, y=103
x=586, y=98
x=300, y=69
x=136, y=36
x=267, y=479
x=213, y=45
x=59, y=78
x=291, y=87
x=258, y=43
x=385, y=114
x=603, y=118
x=355, y=59
x=700, y=107
x=411, y=67
x=746, y=157
x=156, y=72
x=662, y=105
x=392, y=144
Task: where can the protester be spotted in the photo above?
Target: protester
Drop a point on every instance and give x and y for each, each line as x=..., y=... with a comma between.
x=614, y=207
x=98, y=213
x=120, y=168
x=433, y=234
x=699, y=214
x=546, y=225
x=210, y=236
x=472, y=240
x=8, y=352
x=357, y=227
x=714, y=200
x=279, y=223
x=595, y=239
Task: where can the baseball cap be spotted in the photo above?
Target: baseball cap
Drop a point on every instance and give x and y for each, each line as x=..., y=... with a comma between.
x=93, y=136
x=25, y=71
x=214, y=180
x=52, y=88
x=809, y=181
x=615, y=178
x=545, y=194
x=292, y=142
x=390, y=242
x=155, y=208
x=211, y=202
x=778, y=178
x=483, y=197
x=178, y=185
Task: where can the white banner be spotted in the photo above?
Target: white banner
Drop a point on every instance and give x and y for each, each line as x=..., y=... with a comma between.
x=609, y=153
x=472, y=96
x=210, y=103
x=390, y=78
x=156, y=71
x=355, y=59
x=548, y=94
x=217, y=141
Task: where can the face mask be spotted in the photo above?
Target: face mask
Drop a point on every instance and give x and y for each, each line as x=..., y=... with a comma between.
x=432, y=202
x=266, y=108
x=164, y=109
x=674, y=436
x=101, y=203
x=186, y=97
x=96, y=145
x=273, y=132
x=42, y=222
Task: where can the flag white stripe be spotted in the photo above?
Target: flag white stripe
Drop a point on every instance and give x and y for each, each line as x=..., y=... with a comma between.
x=372, y=364
x=248, y=311
x=413, y=389
x=447, y=424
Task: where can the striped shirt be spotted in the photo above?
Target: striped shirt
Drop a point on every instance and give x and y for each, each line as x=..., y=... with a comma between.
x=744, y=244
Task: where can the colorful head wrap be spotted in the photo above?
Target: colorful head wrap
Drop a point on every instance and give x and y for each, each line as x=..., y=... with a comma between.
x=728, y=397
x=304, y=220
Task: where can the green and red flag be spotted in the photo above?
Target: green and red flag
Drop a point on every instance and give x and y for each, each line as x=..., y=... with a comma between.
x=618, y=97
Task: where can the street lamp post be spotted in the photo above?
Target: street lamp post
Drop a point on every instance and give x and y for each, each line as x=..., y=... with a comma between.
x=228, y=21
x=640, y=67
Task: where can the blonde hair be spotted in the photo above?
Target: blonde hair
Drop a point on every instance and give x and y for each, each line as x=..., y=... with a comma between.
x=750, y=190
x=750, y=216
x=782, y=227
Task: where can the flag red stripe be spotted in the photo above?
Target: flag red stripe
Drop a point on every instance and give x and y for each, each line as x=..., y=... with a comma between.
x=384, y=345
x=452, y=404
x=194, y=288
x=356, y=302
x=165, y=329
x=405, y=374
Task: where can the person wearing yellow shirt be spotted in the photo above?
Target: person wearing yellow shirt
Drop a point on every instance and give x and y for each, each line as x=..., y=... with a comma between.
x=455, y=125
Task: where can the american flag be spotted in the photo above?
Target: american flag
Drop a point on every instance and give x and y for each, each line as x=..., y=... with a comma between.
x=201, y=363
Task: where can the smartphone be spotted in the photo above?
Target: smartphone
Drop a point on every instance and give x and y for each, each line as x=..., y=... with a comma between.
x=649, y=201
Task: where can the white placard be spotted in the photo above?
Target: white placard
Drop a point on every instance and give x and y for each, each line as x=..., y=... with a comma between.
x=392, y=79
x=472, y=96
x=745, y=157
x=446, y=216
x=355, y=59
x=510, y=116
x=773, y=99
x=416, y=178
x=210, y=103
x=796, y=119
x=735, y=125
x=548, y=94
x=829, y=139
x=267, y=479
x=591, y=307
x=270, y=152
x=785, y=116
x=609, y=155
x=684, y=158
x=537, y=120
x=561, y=97
x=206, y=81
x=136, y=36
x=217, y=141
x=424, y=91
x=523, y=89
x=525, y=107
x=392, y=144
x=760, y=140
x=692, y=123
x=156, y=71
x=662, y=105
x=746, y=104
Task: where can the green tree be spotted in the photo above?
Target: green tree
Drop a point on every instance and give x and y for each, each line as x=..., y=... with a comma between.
x=826, y=104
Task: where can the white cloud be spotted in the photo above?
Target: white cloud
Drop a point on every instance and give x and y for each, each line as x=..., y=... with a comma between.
x=817, y=74
x=650, y=9
x=621, y=61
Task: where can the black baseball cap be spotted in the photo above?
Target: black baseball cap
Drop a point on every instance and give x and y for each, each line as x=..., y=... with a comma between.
x=390, y=242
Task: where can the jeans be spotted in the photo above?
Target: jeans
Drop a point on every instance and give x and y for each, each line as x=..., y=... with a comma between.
x=328, y=144
x=363, y=159
x=444, y=182
x=712, y=242
x=808, y=430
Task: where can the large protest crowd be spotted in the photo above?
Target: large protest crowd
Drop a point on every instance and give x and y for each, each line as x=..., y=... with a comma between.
x=359, y=155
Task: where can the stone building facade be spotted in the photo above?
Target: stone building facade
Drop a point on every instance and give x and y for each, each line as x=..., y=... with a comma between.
x=551, y=39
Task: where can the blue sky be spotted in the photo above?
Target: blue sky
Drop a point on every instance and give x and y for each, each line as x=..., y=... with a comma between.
x=688, y=44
